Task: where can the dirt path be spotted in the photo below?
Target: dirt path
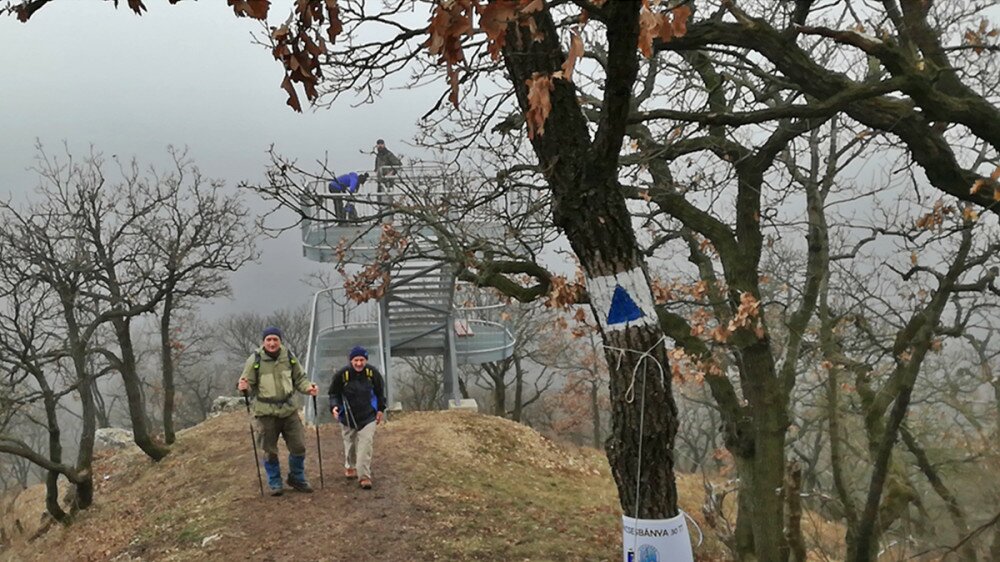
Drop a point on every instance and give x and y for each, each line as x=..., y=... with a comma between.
x=339, y=521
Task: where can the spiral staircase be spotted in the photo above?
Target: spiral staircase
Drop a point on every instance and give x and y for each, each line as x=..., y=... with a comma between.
x=416, y=314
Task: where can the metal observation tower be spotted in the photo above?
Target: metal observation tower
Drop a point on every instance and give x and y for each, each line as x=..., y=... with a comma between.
x=417, y=313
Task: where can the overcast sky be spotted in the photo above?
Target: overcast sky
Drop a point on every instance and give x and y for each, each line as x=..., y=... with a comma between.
x=186, y=75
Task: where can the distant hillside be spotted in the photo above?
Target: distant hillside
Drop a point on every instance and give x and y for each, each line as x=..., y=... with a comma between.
x=448, y=486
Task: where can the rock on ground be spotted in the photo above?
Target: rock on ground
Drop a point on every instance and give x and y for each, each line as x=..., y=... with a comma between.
x=227, y=404
x=112, y=438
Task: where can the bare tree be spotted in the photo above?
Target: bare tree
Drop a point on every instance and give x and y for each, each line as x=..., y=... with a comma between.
x=238, y=335
x=32, y=346
x=104, y=253
x=199, y=234
x=520, y=380
x=420, y=384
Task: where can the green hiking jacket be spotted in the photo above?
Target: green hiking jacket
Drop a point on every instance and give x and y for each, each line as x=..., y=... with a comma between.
x=279, y=379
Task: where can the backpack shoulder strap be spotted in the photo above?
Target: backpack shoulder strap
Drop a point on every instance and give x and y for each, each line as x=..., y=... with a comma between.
x=347, y=374
x=256, y=361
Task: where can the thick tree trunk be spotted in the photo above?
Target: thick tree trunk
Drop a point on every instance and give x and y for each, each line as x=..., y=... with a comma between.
x=589, y=207
x=793, y=529
x=640, y=447
x=499, y=399
x=55, y=455
x=86, y=382
x=133, y=392
x=766, y=467
x=52, y=498
x=743, y=534
x=85, y=456
x=167, y=361
x=496, y=373
x=518, y=410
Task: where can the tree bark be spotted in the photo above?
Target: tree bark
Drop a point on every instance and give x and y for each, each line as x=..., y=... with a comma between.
x=590, y=208
x=765, y=475
x=85, y=387
x=497, y=373
x=84, y=496
x=52, y=498
x=518, y=411
x=133, y=391
x=167, y=361
x=793, y=530
x=55, y=455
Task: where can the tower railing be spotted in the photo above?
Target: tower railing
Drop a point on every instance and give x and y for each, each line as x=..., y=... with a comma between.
x=333, y=310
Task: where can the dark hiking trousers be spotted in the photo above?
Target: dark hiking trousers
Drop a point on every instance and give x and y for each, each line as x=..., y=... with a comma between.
x=289, y=427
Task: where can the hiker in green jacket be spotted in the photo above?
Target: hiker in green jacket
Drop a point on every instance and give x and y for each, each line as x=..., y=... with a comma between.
x=272, y=375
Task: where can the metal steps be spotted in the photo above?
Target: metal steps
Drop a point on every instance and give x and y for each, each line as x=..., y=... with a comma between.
x=416, y=316
x=418, y=308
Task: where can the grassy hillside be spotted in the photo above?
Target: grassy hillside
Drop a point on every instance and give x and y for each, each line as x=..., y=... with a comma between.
x=448, y=486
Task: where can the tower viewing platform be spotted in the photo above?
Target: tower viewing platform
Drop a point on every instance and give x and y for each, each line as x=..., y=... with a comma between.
x=416, y=314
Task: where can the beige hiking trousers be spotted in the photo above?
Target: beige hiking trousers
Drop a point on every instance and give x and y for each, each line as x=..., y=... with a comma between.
x=358, y=445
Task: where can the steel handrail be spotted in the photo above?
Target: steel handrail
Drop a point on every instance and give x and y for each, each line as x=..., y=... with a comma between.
x=312, y=348
x=481, y=307
x=510, y=337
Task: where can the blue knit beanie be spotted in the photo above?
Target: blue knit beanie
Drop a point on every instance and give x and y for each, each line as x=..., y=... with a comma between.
x=358, y=351
x=272, y=331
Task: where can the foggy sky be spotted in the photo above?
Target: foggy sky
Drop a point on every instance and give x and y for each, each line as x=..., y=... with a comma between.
x=183, y=75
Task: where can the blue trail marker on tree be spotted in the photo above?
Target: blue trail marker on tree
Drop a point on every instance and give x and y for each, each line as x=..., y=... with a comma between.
x=623, y=308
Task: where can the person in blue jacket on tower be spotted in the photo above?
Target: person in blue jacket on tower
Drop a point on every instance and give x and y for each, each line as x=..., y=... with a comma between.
x=357, y=400
x=347, y=184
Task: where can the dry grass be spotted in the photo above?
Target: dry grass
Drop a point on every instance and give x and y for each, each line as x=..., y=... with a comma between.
x=449, y=486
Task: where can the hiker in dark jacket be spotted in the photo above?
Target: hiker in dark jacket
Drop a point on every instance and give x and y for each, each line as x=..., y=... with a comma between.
x=387, y=165
x=385, y=160
x=357, y=400
x=272, y=375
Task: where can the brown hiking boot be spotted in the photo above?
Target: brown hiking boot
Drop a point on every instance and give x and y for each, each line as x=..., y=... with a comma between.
x=366, y=483
x=350, y=473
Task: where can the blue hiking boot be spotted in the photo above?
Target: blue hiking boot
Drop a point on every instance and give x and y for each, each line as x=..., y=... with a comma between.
x=273, y=469
x=297, y=474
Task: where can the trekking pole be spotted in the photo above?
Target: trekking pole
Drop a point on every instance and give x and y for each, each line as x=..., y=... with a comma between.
x=319, y=451
x=350, y=414
x=253, y=440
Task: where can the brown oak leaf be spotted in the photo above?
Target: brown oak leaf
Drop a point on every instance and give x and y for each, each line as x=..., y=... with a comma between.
x=575, y=52
x=540, y=85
